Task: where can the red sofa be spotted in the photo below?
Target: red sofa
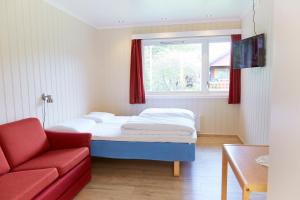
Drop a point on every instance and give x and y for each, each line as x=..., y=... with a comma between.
x=37, y=164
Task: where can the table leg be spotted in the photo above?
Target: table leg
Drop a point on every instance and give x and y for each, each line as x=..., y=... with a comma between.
x=224, y=175
x=246, y=193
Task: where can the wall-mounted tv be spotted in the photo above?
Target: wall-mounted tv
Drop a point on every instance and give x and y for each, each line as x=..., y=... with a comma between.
x=249, y=52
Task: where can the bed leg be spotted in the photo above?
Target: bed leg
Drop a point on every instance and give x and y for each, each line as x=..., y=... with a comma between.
x=176, y=168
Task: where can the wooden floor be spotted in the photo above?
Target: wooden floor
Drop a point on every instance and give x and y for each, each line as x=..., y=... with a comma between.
x=153, y=180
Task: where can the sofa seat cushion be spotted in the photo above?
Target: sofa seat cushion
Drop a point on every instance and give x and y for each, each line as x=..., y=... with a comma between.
x=67, y=182
x=25, y=185
x=64, y=160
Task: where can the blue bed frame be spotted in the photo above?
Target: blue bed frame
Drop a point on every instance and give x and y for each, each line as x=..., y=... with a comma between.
x=162, y=151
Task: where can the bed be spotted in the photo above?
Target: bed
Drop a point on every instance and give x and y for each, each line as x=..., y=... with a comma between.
x=110, y=140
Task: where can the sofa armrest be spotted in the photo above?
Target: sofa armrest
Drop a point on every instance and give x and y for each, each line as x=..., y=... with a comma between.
x=59, y=140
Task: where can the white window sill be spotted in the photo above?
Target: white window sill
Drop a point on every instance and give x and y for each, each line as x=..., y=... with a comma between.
x=187, y=95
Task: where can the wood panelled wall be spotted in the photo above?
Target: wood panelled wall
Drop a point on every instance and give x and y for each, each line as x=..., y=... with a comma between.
x=256, y=82
x=43, y=50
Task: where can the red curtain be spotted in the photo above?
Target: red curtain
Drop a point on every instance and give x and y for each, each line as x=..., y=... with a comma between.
x=235, y=77
x=137, y=92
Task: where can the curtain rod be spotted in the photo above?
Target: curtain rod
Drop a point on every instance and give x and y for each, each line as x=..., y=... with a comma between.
x=205, y=33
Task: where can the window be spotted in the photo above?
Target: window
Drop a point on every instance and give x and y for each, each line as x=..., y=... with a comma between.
x=186, y=65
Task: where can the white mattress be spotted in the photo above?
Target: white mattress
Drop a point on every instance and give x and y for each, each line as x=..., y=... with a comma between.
x=112, y=131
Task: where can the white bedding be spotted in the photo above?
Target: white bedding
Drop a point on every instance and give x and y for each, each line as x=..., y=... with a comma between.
x=98, y=117
x=74, y=125
x=117, y=119
x=159, y=125
x=110, y=130
x=168, y=112
x=113, y=132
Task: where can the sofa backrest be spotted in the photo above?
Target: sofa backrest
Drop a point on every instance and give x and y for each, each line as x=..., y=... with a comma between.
x=4, y=166
x=22, y=140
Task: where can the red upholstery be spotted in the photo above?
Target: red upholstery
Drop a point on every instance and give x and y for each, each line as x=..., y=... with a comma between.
x=45, y=166
x=64, y=160
x=26, y=184
x=76, y=187
x=67, y=182
x=68, y=140
x=4, y=167
x=22, y=140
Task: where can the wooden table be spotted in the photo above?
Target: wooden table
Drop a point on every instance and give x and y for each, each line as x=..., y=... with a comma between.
x=251, y=176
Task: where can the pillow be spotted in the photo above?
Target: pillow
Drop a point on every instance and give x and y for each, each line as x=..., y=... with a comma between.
x=98, y=117
x=75, y=125
x=168, y=112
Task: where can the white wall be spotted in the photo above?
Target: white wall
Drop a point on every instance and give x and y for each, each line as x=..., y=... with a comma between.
x=255, y=89
x=114, y=47
x=284, y=173
x=43, y=50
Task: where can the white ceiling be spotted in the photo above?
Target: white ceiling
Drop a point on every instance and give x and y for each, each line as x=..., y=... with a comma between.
x=120, y=13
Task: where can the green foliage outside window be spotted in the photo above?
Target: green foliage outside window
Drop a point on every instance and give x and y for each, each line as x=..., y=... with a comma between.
x=174, y=67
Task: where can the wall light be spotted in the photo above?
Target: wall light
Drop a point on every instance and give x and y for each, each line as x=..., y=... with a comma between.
x=47, y=98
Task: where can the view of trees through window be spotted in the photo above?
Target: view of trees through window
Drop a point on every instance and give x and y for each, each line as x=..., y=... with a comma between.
x=173, y=67
x=186, y=66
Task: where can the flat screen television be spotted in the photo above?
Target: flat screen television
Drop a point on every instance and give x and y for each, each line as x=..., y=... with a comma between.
x=249, y=52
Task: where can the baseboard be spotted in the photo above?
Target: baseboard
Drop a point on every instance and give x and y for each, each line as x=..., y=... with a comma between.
x=216, y=134
x=220, y=135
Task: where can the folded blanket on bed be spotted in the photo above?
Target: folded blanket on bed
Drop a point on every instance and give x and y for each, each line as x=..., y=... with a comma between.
x=168, y=112
x=163, y=125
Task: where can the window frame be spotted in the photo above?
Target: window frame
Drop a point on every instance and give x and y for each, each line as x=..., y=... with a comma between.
x=204, y=93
